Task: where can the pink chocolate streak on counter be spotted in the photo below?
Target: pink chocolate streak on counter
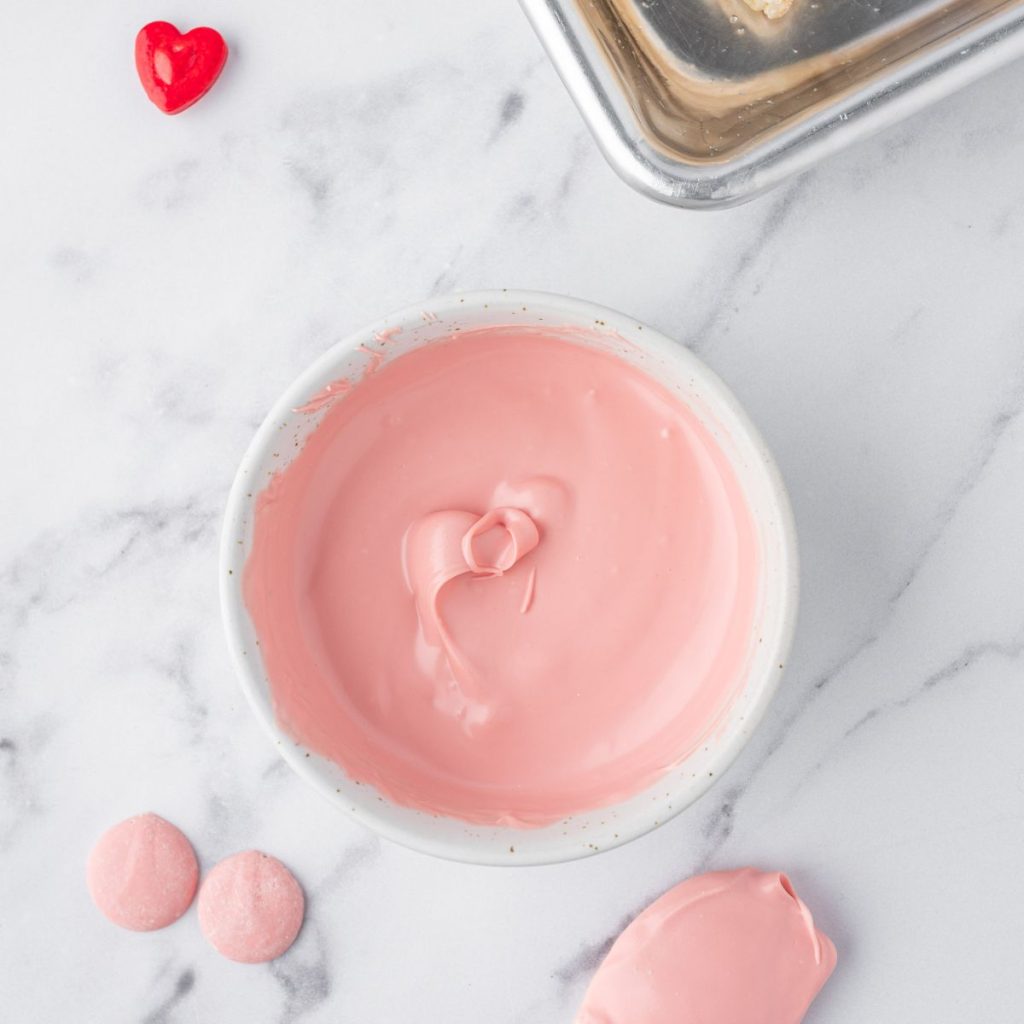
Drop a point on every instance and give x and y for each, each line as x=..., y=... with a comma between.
x=731, y=947
x=646, y=567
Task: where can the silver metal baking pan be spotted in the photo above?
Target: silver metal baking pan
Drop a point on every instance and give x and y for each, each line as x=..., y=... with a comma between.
x=705, y=103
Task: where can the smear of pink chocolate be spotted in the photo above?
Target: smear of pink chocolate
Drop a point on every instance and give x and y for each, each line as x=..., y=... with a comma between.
x=731, y=947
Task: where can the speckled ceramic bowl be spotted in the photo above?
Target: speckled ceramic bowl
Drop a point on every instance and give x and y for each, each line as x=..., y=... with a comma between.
x=675, y=367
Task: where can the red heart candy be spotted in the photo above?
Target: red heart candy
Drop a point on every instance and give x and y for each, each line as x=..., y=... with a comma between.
x=175, y=69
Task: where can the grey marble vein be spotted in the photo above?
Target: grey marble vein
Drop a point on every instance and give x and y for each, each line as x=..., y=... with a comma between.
x=721, y=298
x=511, y=109
x=1006, y=413
x=1010, y=650
x=306, y=980
x=165, y=1012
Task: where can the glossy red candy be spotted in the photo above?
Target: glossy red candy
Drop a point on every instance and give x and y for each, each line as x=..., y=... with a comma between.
x=175, y=69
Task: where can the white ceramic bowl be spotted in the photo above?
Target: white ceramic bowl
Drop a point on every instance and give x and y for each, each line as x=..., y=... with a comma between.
x=668, y=362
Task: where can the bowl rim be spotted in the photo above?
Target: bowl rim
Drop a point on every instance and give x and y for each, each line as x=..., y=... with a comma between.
x=576, y=312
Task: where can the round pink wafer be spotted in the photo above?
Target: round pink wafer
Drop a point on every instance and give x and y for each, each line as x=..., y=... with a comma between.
x=250, y=907
x=142, y=873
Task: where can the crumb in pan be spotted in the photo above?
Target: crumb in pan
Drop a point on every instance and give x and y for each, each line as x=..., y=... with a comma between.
x=770, y=8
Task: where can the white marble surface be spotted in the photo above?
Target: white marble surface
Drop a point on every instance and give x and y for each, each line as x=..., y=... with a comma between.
x=161, y=280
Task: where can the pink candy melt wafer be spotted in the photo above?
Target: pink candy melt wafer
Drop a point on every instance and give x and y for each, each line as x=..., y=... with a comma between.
x=250, y=907
x=142, y=873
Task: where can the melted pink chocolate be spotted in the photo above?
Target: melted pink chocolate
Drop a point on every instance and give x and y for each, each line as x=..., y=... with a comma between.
x=508, y=578
x=732, y=947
